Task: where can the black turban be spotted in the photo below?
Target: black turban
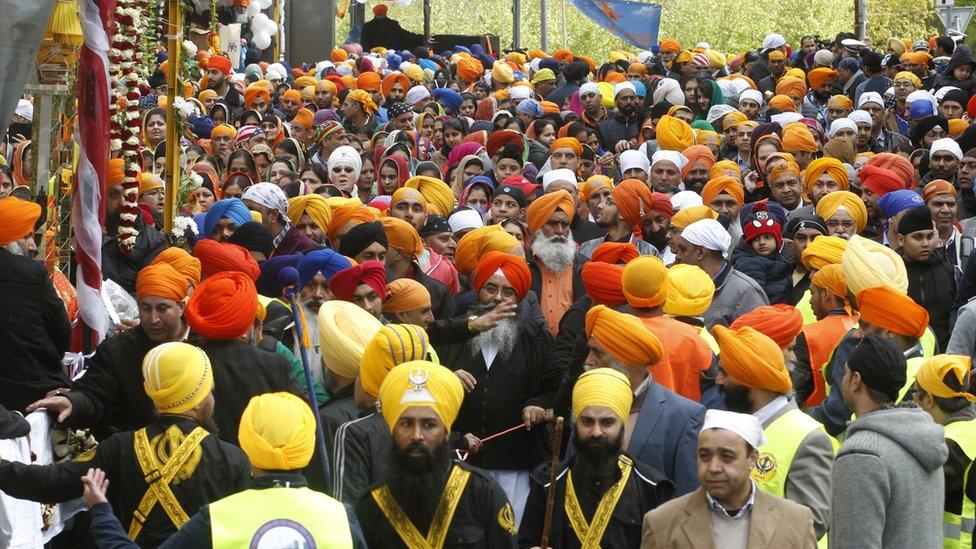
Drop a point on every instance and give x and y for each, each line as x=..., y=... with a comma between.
x=360, y=237
x=881, y=364
x=254, y=237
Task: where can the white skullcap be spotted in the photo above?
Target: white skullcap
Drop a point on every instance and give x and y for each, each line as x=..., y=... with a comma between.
x=861, y=117
x=754, y=95
x=870, y=97
x=590, y=87
x=346, y=155
x=416, y=94
x=718, y=111
x=621, y=86
x=674, y=157
x=534, y=64
x=922, y=95
x=644, y=56
x=823, y=57
x=946, y=144
x=740, y=85
x=685, y=199
x=465, y=219
x=840, y=124
x=26, y=109
x=669, y=89
x=747, y=426
x=785, y=118
x=728, y=89
x=561, y=174
x=634, y=159
x=773, y=40
x=520, y=92
x=709, y=234
x=268, y=195
x=276, y=71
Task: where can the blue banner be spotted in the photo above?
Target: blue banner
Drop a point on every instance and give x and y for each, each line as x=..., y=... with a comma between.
x=635, y=22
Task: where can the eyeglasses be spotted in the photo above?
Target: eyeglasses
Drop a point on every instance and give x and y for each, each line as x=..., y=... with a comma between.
x=904, y=84
x=491, y=290
x=340, y=169
x=835, y=224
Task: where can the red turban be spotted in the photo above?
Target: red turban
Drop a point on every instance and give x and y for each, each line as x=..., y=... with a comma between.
x=220, y=63
x=603, y=282
x=898, y=164
x=634, y=200
x=781, y=323
x=614, y=252
x=17, y=218
x=661, y=203
x=514, y=268
x=880, y=181
x=499, y=138
x=542, y=208
x=223, y=307
x=216, y=257
x=161, y=280
x=371, y=273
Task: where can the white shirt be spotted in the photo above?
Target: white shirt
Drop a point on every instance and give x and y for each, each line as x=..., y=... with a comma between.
x=768, y=411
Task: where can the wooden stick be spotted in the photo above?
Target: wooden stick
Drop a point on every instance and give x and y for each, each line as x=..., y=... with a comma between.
x=557, y=439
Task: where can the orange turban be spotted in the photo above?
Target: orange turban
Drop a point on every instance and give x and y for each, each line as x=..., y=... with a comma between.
x=542, y=208
x=898, y=164
x=696, y=154
x=818, y=77
x=220, y=63
x=514, y=268
x=253, y=92
x=391, y=79
x=789, y=84
x=840, y=102
x=891, y=310
x=548, y=107
x=594, y=184
x=216, y=257
x=783, y=103
x=623, y=336
x=365, y=99
x=369, y=81
x=404, y=295
x=645, y=282
x=831, y=278
x=351, y=213
x=637, y=68
x=633, y=200
x=470, y=69
x=752, y=359
x=161, y=280
x=567, y=143
x=725, y=167
x=797, y=138
x=17, y=218
x=614, y=252
x=780, y=322
x=207, y=94
x=670, y=45
x=826, y=165
x=823, y=251
x=723, y=184
x=115, y=172
x=338, y=55
x=603, y=282
x=403, y=235
x=304, y=118
x=223, y=307
x=563, y=55
x=293, y=95
x=689, y=215
x=327, y=85
x=674, y=134
x=223, y=130
x=490, y=238
x=184, y=263
x=937, y=187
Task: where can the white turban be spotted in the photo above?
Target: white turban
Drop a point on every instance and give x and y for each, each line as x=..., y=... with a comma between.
x=562, y=174
x=465, y=219
x=747, y=426
x=773, y=40
x=276, y=71
x=870, y=97
x=941, y=92
x=26, y=109
x=946, y=144
x=621, y=86
x=718, y=111
x=346, y=155
x=922, y=95
x=709, y=234
x=416, y=94
x=520, y=92
x=674, y=157
x=728, y=89
x=685, y=199
x=669, y=89
x=634, y=159
x=754, y=95
x=785, y=118
x=268, y=195
x=841, y=123
x=589, y=87
x=861, y=117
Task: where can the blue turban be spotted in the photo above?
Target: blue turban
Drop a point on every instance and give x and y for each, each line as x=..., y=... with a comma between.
x=267, y=282
x=530, y=107
x=920, y=108
x=639, y=88
x=459, y=48
x=549, y=63
x=231, y=208
x=449, y=98
x=393, y=61
x=427, y=64
x=891, y=204
x=326, y=262
x=202, y=126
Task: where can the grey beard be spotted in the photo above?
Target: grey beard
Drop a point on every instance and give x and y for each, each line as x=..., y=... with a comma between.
x=504, y=336
x=555, y=256
x=16, y=249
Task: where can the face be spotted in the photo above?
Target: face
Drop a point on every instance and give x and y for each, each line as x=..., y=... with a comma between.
x=937, y=132
x=903, y=87
x=419, y=431
x=205, y=198
x=691, y=92
x=787, y=190
x=591, y=102
x=290, y=106
x=316, y=293
x=686, y=252
x=943, y=164
x=725, y=203
x=343, y=176
x=876, y=111
x=801, y=239
x=742, y=135
x=403, y=121
x=467, y=108
x=410, y=210
x=367, y=299
x=441, y=243
x=311, y=179
x=156, y=128
x=422, y=317
x=161, y=319
x=823, y=185
x=472, y=169
x=841, y=224
x=221, y=146
x=505, y=207
x=223, y=230
x=665, y=176
x=724, y=463
x=506, y=167
x=777, y=67
x=547, y=136
x=764, y=244
x=919, y=245
x=154, y=199
x=558, y=225
x=215, y=79
x=749, y=108
x=808, y=45
x=966, y=172
x=308, y=227
x=277, y=170
x=373, y=252
x=496, y=290
x=323, y=99
x=543, y=88
x=951, y=109
x=262, y=163
x=597, y=428
x=452, y=137
x=944, y=208
x=655, y=227
x=479, y=198
x=564, y=158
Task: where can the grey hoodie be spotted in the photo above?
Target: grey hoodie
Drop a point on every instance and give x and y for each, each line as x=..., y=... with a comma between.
x=887, y=482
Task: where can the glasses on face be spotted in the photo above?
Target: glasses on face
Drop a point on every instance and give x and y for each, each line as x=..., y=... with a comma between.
x=341, y=169
x=836, y=224
x=491, y=290
x=904, y=84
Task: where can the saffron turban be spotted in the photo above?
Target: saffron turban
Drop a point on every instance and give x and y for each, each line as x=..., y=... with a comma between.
x=312, y=205
x=440, y=197
x=614, y=252
x=230, y=208
x=690, y=291
x=593, y=184
x=17, y=218
x=277, y=432
x=177, y=377
x=932, y=374
x=216, y=257
x=344, y=330
x=892, y=310
x=783, y=103
x=353, y=213
x=253, y=92
x=840, y=102
x=470, y=69
x=326, y=262
x=392, y=345
x=787, y=85
x=689, y=215
x=405, y=295
x=223, y=306
x=670, y=45
x=502, y=72
x=441, y=390
x=633, y=200
x=937, y=187
x=220, y=63
x=541, y=210
x=404, y=193
x=826, y=165
x=831, y=278
x=223, y=130
x=514, y=268
x=819, y=76
x=674, y=134
x=645, y=282
x=833, y=201
x=161, y=280
x=603, y=282
x=363, y=98
x=116, y=172
x=880, y=181
x=725, y=167
x=823, y=251
x=723, y=184
x=182, y=262
x=570, y=143
x=371, y=273
x=696, y=154
x=623, y=336
x=403, y=235
x=603, y=387
x=867, y=264
x=478, y=243
x=369, y=81
x=898, y=164
x=752, y=359
x=392, y=79
x=797, y=138
x=780, y=322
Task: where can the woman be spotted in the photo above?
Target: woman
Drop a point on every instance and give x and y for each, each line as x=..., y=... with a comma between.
x=314, y=176
x=234, y=186
x=153, y=128
x=477, y=193
x=6, y=180
x=241, y=162
x=425, y=124
x=453, y=134
x=394, y=172
x=291, y=149
x=543, y=131
x=469, y=166
x=367, y=178
x=252, y=118
x=344, y=167
x=520, y=231
x=278, y=168
x=469, y=103
x=262, y=158
x=273, y=131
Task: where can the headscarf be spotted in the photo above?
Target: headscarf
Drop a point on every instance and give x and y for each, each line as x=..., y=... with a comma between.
x=344, y=330
x=645, y=282
x=182, y=262
x=421, y=383
x=833, y=201
x=17, y=218
x=752, y=359
x=392, y=345
x=177, y=377
x=826, y=165
x=277, y=432
x=513, y=267
x=542, y=208
x=217, y=257
x=404, y=295
x=779, y=322
x=603, y=387
x=603, y=282
x=161, y=280
x=223, y=306
x=892, y=310
x=623, y=336
x=690, y=291
x=867, y=264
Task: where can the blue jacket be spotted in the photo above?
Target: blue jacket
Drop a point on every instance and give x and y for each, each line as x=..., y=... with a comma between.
x=771, y=273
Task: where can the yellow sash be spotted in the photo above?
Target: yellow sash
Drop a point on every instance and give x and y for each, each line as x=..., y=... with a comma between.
x=589, y=534
x=159, y=475
x=443, y=515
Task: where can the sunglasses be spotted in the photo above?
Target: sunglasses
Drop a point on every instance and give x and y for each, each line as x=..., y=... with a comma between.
x=340, y=169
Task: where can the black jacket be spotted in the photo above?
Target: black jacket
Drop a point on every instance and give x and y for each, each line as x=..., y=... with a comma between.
x=619, y=128
x=962, y=55
x=441, y=300
x=123, y=268
x=932, y=284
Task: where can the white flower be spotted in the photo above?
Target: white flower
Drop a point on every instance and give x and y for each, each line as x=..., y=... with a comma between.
x=189, y=48
x=196, y=179
x=182, y=224
x=185, y=108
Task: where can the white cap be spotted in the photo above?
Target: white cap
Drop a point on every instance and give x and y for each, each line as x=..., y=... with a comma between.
x=754, y=95
x=940, y=93
x=861, y=117
x=644, y=56
x=685, y=199
x=773, y=40
x=703, y=46
x=674, y=157
x=747, y=426
x=709, y=234
x=946, y=144
x=718, y=111
x=416, y=94
x=841, y=123
x=562, y=174
x=785, y=118
x=520, y=92
x=631, y=159
x=870, y=97
x=590, y=87
x=621, y=86
x=465, y=219
x=26, y=109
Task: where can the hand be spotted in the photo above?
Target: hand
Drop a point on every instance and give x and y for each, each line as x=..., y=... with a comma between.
x=126, y=323
x=18, y=139
x=59, y=405
x=533, y=415
x=621, y=146
x=95, y=485
x=750, y=181
x=491, y=319
x=474, y=443
x=606, y=159
x=467, y=380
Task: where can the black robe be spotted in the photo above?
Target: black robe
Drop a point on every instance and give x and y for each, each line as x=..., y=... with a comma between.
x=383, y=31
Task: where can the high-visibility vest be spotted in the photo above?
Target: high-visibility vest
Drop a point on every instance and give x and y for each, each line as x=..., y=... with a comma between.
x=914, y=365
x=957, y=529
x=806, y=309
x=822, y=336
x=279, y=517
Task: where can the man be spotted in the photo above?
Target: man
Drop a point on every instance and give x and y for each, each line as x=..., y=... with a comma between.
x=408, y=302
x=665, y=171
x=420, y=401
x=795, y=461
x=363, y=285
x=409, y=205
x=325, y=92
x=883, y=138
x=622, y=213
x=365, y=242
x=34, y=318
x=821, y=177
x=601, y=492
x=619, y=133
x=932, y=281
x=359, y=113
x=593, y=110
x=888, y=485
x=941, y=198
x=661, y=427
x=821, y=81
x=801, y=230
x=943, y=389
x=785, y=186
x=564, y=153
x=153, y=492
x=270, y=201
x=405, y=248
x=555, y=263
x=543, y=82
x=774, y=70
x=383, y=31
x=727, y=510
x=218, y=80
x=725, y=195
x=944, y=158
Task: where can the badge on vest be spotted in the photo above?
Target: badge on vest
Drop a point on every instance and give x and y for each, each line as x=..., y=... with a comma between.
x=765, y=468
x=281, y=533
x=506, y=519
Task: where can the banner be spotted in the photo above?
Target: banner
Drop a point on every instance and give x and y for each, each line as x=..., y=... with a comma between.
x=635, y=22
x=21, y=30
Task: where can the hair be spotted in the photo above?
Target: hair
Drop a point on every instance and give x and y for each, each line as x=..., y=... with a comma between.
x=946, y=43
x=289, y=147
x=241, y=181
x=201, y=152
x=467, y=96
x=540, y=125
x=248, y=159
x=319, y=171
x=293, y=187
x=954, y=404
x=247, y=114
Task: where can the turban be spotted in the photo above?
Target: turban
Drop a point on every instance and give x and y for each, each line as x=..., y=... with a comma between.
x=161, y=280
x=404, y=295
x=231, y=208
x=831, y=278
x=614, y=252
x=220, y=63
x=416, y=94
x=788, y=84
x=293, y=95
x=216, y=257
x=177, y=377
x=17, y=218
x=623, y=336
x=673, y=157
x=707, y=137
x=325, y=261
x=115, y=173
x=149, y=181
x=513, y=267
x=689, y=215
x=277, y=432
x=254, y=237
x=797, y=138
x=603, y=282
x=223, y=130
x=392, y=79
x=593, y=184
x=567, y=143
x=725, y=167
x=840, y=102
x=867, y=264
x=305, y=118
x=502, y=72
x=910, y=76
x=267, y=283
x=932, y=374
x=709, y=234
x=363, y=98
x=830, y=166
x=896, y=163
x=745, y=426
x=543, y=75
x=645, y=282
x=500, y=138
x=674, y=134
x=392, y=345
x=880, y=181
x=752, y=359
x=819, y=76
x=223, y=307
x=833, y=201
x=823, y=251
x=421, y=383
x=723, y=184
x=891, y=204
x=366, y=231
x=780, y=322
x=470, y=69
x=541, y=209
x=690, y=291
x=182, y=262
x=891, y=310
x=402, y=235
x=783, y=103
x=437, y=193
x=946, y=144
x=326, y=85
x=670, y=45
x=344, y=331
x=371, y=273
x=634, y=201
x=313, y=205
x=696, y=154
x=603, y=387
x=478, y=243
x=561, y=174
x=937, y=187
x=369, y=81
x=253, y=92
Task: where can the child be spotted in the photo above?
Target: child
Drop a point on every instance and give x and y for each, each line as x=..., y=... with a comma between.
x=758, y=254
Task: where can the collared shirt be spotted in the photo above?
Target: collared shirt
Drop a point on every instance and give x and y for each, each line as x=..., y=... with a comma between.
x=557, y=295
x=768, y=411
x=717, y=508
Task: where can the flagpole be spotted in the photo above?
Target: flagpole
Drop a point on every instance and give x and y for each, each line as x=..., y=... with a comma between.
x=174, y=45
x=563, y=15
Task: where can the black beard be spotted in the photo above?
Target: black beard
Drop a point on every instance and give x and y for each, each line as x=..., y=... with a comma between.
x=737, y=398
x=417, y=483
x=658, y=239
x=695, y=185
x=596, y=468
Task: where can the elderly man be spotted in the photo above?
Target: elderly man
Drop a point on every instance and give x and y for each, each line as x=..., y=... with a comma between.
x=665, y=171
x=270, y=201
x=728, y=510
x=555, y=264
x=601, y=492
x=941, y=198
x=725, y=194
x=623, y=213
x=405, y=249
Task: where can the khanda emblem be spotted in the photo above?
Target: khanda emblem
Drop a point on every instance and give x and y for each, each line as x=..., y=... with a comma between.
x=417, y=392
x=765, y=467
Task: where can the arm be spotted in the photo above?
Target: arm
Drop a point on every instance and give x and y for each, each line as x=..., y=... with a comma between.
x=808, y=480
x=53, y=483
x=963, y=333
x=686, y=455
x=94, y=392
x=801, y=373
x=860, y=489
x=351, y=463
x=648, y=540
x=107, y=531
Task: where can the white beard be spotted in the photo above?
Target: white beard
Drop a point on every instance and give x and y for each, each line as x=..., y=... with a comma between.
x=556, y=252
x=503, y=337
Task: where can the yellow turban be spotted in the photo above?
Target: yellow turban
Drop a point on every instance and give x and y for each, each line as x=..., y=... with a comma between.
x=421, y=383
x=502, y=72
x=490, y=238
x=831, y=202
x=394, y=344
x=277, y=432
x=798, y=138
x=440, y=197
x=177, y=377
x=623, y=336
x=867, y=264
x=725, y=167
x=674, y=134
x=414, y=73
x=932, y=374
x=344, y=331
x=823, y=251
x=404, y=295
x=690, y=290
x=826, y=165
x=910, y=76
x=603, y=387
x=313, y=205
x=402, y=235
x=752, y=359
x=645, y=282
x=687, y=216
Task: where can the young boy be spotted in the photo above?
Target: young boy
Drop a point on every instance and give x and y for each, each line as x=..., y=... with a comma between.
x=759, y=255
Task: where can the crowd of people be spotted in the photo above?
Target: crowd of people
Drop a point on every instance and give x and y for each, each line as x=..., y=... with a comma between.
x=744, y=281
